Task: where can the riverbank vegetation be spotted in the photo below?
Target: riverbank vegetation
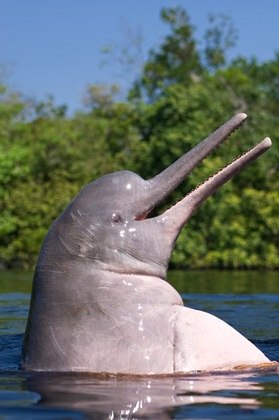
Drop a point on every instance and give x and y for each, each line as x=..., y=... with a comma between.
x=181, y=95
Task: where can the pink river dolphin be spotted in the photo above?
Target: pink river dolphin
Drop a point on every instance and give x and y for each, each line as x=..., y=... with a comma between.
x=101, y=301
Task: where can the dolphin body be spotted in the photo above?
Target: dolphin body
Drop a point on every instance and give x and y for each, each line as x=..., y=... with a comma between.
x=100, y=299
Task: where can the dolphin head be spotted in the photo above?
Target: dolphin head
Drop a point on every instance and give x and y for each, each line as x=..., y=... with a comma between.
x=107, y=224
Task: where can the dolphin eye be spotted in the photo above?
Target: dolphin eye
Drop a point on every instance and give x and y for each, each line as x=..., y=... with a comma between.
x=116, y=218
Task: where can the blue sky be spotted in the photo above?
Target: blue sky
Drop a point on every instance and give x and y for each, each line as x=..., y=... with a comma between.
x=53, y=46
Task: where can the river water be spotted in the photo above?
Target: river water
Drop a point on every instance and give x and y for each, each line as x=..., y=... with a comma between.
x=247, y=300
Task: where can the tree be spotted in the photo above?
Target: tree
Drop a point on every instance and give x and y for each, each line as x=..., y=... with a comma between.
x=219, y=38
x=176, y=60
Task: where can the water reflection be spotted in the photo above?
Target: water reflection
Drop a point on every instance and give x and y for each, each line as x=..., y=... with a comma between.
x=153, y=398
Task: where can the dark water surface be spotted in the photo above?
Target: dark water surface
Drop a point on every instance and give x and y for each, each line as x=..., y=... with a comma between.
x=247, y=300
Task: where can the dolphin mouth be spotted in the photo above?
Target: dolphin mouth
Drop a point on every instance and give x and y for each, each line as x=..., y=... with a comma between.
x=185, y=207
x=143, y=216
x=163, y=184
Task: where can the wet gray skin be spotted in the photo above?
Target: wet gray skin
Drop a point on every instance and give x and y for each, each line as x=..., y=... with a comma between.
x=100, y=300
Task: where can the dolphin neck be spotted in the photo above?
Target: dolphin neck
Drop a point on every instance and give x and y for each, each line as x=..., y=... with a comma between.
x=109, y=285
x=136, y=288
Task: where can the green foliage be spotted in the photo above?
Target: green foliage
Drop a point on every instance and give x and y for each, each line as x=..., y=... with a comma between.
x=219, y=37
x=176, y=60
x=46, y=157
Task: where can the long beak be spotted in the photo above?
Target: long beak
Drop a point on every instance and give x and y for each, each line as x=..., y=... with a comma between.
x=164, y=183
x=180, y=213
